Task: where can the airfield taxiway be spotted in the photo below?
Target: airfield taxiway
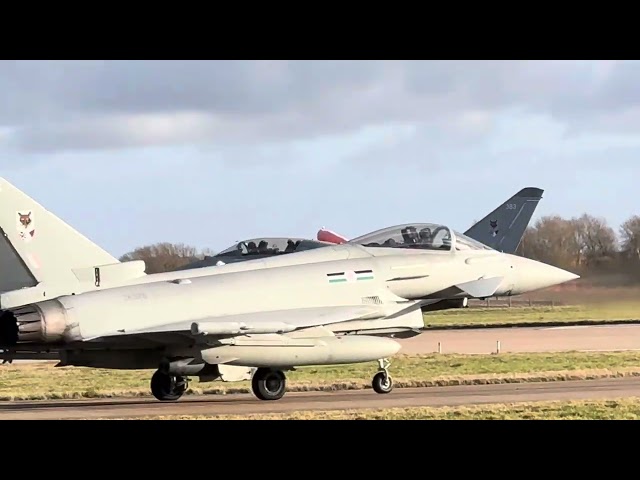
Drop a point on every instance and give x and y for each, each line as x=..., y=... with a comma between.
x=244, y=404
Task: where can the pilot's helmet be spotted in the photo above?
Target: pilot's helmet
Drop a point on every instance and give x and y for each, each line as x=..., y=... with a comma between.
x=425, y=234
x=412, y=234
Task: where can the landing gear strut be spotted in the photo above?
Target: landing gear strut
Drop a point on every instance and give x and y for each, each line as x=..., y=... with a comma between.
x=382, y=382
x=268, y=384
x=168, y=388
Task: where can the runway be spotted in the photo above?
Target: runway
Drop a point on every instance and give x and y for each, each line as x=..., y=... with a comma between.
x=292, y=402
x=478, y=341
x=526, y=340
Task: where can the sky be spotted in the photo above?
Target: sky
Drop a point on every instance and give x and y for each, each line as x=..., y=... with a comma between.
x=208, y=153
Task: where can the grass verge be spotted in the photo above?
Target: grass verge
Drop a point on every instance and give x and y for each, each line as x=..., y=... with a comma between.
x=621, y=312
x=619, y=409
x=44, y=381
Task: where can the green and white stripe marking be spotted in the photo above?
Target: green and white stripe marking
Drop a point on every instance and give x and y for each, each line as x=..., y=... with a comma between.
x=350, y=276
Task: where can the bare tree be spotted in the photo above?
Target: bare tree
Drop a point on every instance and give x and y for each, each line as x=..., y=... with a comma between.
x=597, y=242
x=630, y=237
x=527, y=245
x=551, y=240
x=164, y=257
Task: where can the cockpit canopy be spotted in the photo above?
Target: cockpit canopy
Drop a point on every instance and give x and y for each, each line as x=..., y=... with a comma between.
x=424, y=236
x=270, y=246
x=256, y=248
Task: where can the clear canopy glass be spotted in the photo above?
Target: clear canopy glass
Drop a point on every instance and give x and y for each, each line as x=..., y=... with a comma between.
x=270, y=246
x=425, y=236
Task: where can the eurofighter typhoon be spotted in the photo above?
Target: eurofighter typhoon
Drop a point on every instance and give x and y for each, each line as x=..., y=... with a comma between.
x=254, y=320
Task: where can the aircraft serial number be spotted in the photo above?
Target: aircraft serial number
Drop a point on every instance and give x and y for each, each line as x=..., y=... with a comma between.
x=135, y=296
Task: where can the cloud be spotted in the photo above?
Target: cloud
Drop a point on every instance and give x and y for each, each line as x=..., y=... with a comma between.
x=58, y=106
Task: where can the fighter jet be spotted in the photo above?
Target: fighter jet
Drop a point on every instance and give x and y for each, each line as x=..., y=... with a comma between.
x=502, y=230
x=336, y=305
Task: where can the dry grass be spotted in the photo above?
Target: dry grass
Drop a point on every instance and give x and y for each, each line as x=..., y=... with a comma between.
x=479, y=316
x=43, y=381
x=619, y=409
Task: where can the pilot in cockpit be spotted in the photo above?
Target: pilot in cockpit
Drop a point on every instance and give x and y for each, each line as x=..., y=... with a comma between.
x=262, y=246
x=291, y=247
x=426, y=236
x=410, y=235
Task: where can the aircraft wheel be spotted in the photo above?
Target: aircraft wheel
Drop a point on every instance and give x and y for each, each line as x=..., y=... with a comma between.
x=168, y=388
x=268, y=384
x=382, y=383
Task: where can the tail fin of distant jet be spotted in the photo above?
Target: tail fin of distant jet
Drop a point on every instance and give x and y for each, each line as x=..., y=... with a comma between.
x=37, y=249
x=504, y=228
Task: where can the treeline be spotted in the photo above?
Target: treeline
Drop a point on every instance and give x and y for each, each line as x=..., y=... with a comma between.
x=585, y=245
x=166, y=257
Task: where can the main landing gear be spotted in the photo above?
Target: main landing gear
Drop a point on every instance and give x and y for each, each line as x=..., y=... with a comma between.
x=268, y=384
x=168, y=388
x=382, y=382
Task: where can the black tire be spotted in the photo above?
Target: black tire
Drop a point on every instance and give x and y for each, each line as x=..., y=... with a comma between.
x=269, y=384
x=382, y=383
x=167, y=388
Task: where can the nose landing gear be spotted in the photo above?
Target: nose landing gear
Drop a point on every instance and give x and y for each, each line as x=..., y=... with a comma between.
x=382, y=381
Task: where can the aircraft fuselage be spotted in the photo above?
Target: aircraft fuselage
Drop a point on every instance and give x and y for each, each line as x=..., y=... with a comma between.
x=384, y=275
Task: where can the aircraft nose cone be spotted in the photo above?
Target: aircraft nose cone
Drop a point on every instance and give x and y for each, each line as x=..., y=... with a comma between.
x=532, y=275
x=563, y=276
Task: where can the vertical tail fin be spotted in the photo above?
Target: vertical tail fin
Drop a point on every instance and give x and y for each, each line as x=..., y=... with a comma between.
x=39, y=248
x=504, y=228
